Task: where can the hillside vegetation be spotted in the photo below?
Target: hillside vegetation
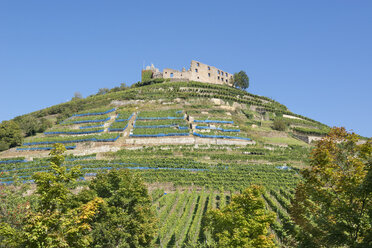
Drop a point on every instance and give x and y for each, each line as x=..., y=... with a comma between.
x=194, y=144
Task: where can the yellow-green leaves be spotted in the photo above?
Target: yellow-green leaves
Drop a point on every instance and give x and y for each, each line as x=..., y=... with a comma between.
x=242, y=223
x=333, y=204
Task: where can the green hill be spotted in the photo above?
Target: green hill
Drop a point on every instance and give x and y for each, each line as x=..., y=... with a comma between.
x=197, y=142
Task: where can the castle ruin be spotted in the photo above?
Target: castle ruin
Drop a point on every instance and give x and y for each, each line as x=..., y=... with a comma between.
x=198, y=72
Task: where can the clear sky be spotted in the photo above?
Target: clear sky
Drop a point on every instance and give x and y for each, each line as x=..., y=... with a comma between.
x=313, y=56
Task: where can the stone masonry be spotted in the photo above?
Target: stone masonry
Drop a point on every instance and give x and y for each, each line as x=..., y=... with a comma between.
x=198, y=72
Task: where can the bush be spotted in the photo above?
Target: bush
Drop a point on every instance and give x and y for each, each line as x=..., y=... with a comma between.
x=146, y=75
x=10, y=134
x=149, y=82
x=3, y=146
x=279, y=125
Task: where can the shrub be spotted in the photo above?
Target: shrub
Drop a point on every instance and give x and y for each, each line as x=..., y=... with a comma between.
x=279, y=125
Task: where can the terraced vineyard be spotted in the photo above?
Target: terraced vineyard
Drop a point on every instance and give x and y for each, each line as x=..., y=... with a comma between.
x=194, y=144
x=193, y=181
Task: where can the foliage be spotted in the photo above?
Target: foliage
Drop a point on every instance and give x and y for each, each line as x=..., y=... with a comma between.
x=242, y=223
x=123, y=114
x=279, y=125
x=312, y=131
x=96, y=111
x=180, y=122
x=150, y=82
x=241, y=80
x=127, y=218
x=333, y=204
x=102, y=91
x=71, y=139
x=14, y=205
x=119, y=125
x=10, y=135
x=54, y=224
x=77, y=96
x=161, y=113
x=31, y=125
x=156, y=131
x=146, y=75
x=73, y=131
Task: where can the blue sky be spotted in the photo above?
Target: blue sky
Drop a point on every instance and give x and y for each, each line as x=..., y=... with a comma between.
x=313, y=56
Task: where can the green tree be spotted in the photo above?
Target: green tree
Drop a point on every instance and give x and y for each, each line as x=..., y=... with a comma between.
x=127, y=218
x=31, y=125
x=10, y=135
x=242, y=223
x=103, y=91
x=333, y=205
x=241, y=80
x=54, y=223
x=77, y=96
x=14, y=205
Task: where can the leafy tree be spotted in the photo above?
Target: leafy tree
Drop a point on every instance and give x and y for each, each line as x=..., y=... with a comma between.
x=241, y=80
x=333, y=205
x=54, y=223
x=127, y=218
x=14, y=205
x=103, y=91
x=146, y=75
x=242, y=223
x=10, y=135
x=77, y=96
x=31, y=125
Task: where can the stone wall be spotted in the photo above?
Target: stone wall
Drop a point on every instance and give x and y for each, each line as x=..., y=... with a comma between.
x=200, y=72
x=308, y=138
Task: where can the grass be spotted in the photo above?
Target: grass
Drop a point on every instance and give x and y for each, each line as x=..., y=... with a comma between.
x=283, y=140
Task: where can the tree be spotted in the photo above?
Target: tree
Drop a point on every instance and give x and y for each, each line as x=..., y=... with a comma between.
x=31, y=125
x=127, y=218
x=54, y=223
x=333, y=205
x=14, y=205
x=77, y=96
x=242, y=223
x=103, y=91
x=10, y=135
x=241, y=80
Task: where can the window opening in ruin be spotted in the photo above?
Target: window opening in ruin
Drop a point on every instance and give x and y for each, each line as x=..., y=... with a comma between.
x=226, y=74
x=198, y=77
x=209, y=68
x=221, y=79
x=218, y=72
x=197, y=64
x=218, y=77
x=196, y=70
x=226, y=80
x=209, y=74
x=171, y=75
x=166, y=72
